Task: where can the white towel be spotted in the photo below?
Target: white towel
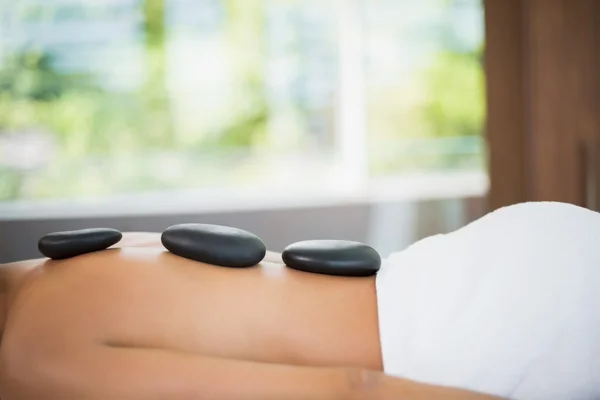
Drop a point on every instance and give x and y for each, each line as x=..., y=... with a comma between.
x=508, y=305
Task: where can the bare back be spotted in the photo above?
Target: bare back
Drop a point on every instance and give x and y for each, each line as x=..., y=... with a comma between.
x=148, y=298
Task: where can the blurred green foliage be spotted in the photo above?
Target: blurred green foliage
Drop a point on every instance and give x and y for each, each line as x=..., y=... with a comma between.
x=91, y=123
x=455, y=103
x=30, y=76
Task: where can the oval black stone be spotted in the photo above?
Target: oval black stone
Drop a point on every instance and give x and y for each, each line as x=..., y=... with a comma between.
x=332, y=257
x=61, y=245
x=214, y=244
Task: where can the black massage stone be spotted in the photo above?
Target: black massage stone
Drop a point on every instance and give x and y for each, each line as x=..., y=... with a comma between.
x=332, y=257
x=214, y=244
x=61, y=245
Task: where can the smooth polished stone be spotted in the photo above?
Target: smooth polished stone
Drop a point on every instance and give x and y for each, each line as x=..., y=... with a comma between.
x=62, y=245
x=214, y=244
x=332, y=257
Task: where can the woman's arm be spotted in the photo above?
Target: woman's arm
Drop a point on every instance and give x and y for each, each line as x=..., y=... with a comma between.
x=142, y=374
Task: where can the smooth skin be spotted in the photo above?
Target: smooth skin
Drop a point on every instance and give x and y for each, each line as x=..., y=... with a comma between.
x=136, y=322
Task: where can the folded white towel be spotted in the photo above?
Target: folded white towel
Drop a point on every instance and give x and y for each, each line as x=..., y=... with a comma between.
x=508, y=305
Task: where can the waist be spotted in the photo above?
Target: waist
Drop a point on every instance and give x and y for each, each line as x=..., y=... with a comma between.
x=337, y=325
x=267, y=314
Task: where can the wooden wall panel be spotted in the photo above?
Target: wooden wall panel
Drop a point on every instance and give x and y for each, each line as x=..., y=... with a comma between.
x=506, y=104
x=553, y=171
x=556, y=49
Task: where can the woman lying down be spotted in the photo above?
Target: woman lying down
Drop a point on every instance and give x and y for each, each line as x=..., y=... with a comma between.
x=508, y=306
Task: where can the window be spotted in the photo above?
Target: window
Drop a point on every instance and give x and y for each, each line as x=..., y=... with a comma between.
x=113, y=97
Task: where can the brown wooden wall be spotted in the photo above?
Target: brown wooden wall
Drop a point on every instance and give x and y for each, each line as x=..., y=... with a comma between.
x=543, y=76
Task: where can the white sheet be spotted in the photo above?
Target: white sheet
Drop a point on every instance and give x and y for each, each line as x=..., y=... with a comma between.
x=509, y=305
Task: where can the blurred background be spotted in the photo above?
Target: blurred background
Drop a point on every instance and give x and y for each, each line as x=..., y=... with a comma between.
x=296, y=119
